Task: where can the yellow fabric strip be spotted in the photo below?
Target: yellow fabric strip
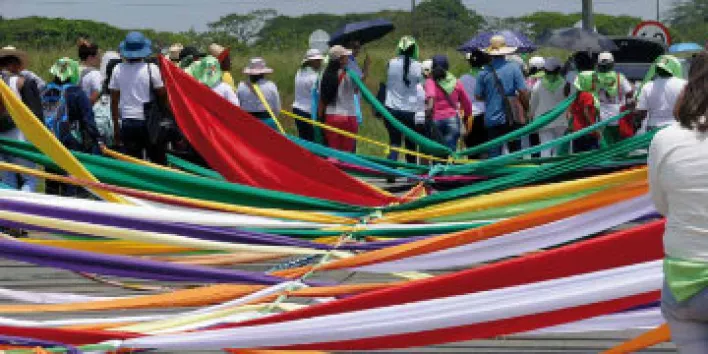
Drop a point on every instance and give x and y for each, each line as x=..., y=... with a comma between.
x=196, y=203
x=258, y=92
x=516, y=196
x=126, y=158
x=114, y=247
x=386, y=147
x=35, y=131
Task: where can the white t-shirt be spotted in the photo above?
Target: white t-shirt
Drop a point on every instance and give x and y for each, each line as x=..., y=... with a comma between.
x=658, y=98
x=344, y=105
x=224, y=90
x=543, y=100
x=610, y=106
x=250, y=102
x=399, y=95
x=305, y=80
x=678, y=181
x=469, y=82
x=132, y=80
x=420, y=110
x=92, y=81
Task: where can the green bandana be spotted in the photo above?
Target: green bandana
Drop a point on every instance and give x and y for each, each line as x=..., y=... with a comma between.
x=685, y=278
x=448, y=83
x=585, y=82
x=66, y=69
x=405, y=43
x=670, y=64
x=608, y=82
x=207, y=71
x=552, y=82
x=475, y=71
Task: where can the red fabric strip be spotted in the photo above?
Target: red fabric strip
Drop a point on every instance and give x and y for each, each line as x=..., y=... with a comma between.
x=246, y=151
x=636, y=245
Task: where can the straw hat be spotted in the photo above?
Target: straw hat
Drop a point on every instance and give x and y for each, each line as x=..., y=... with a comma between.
x=257, y=66
x=174, y=51
x=11, y=51
x=313, y=54
x=215, y=50
x=338, y=51
x=498, y=47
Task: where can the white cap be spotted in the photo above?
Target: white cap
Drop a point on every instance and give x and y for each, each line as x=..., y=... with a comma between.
x=605, y=58
x=426, y=65
x=552, y=64
x=536, y=62
x=313, y=54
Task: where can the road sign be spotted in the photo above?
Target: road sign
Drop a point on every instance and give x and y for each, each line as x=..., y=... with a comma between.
x=653, y=29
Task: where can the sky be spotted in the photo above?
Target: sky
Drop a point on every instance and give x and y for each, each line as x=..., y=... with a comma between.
x=181, y=15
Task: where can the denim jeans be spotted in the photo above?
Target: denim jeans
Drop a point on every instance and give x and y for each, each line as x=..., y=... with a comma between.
x=688, y=321
x=497, y=131
x=396, y=137
x=449, y=130
x=17, y=181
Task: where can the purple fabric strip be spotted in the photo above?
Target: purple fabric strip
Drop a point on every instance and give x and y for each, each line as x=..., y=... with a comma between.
x=182, y=229
x=31, y=342
x=122, y=266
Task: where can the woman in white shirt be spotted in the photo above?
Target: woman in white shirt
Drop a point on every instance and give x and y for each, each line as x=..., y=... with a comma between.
x=678, y=180
x=305, y=82
x=337, y=105
x=208, y=72
x=256, y=71
x=658, y=98
x=91, y=80
x=404, y=75
x=546, y=94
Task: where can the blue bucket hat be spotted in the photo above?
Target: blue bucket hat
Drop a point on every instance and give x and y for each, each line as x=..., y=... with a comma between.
x=135, y=46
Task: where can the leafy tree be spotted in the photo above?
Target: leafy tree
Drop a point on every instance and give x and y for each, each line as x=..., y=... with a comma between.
x=446, y=22
x=689, y=20
x=245, y=28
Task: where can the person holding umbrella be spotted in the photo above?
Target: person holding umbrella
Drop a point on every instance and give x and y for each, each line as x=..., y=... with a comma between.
x=305, y=81
x=502, y=87
x=404, y=76
x=354, y=35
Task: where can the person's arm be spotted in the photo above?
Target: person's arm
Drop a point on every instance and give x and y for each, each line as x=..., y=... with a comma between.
x=642, y=105
x=95, y=83
x=658, y=195
x=275, y=104
x=365, y=68
x=524, y=99
x=521, y=89
x=465, y=102
x=533, y=102
x=429, y=98
x=479, y=88
x=115, y=116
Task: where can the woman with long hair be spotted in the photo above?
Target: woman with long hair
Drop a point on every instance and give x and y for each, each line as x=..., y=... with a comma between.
x=404, y=76
x=337, y=105
x=90, y=78
x=305, y=81
x=445, y=97
x=678, y=180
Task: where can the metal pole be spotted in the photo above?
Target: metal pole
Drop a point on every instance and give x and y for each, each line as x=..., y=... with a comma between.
x=413, y=31
x=658, y=10
x=588, y=22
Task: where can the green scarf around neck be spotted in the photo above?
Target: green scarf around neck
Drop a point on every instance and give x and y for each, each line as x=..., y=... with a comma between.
x=552, y=82
x=608, y=82
x=448, y=83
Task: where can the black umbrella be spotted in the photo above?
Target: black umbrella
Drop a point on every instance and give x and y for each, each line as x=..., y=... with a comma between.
x=364, y=31
x=577, y=40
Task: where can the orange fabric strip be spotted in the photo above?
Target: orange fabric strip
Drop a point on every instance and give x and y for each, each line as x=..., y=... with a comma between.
x=656, y=336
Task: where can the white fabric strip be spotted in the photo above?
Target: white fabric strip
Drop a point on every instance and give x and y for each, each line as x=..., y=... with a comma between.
x=516, y=243
x=638, y=319
x=433, y=314
x=47, y=298
x=155, y=213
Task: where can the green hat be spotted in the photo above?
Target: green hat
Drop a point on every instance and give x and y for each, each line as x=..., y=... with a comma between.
x=407, y=42
x=670, y=64
x=66, y=69
x=207, y=71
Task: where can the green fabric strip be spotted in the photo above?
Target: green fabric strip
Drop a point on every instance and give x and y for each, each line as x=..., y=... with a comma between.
x=426, y=145
x=157, y=180
x=535, y=125
x=393, y=233
x=187, y=166
x=685, y=278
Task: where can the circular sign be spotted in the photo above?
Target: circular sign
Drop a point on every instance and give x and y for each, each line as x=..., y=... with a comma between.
x=319, y=40
x=654, y=30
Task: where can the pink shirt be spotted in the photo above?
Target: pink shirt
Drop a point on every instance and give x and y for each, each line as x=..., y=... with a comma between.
x=441, y=107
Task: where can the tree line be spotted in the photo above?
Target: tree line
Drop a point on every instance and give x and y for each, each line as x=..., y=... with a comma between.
x=438, y=22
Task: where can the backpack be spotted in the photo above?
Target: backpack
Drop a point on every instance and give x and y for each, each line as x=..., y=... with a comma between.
x=104, y=120
x=6, y=122
x=56, y=115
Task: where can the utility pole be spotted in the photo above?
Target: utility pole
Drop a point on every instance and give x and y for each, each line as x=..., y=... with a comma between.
x=658, y=10
x=588, y=23
x=413, y=27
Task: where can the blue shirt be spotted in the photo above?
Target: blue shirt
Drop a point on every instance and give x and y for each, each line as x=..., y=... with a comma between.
x=512, y=80
x=354, y=66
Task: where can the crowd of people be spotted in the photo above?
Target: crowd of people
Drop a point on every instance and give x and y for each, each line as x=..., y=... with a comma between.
x=108, y=98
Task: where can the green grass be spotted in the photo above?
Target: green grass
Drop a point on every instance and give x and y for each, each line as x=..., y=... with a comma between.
x=285, y=65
